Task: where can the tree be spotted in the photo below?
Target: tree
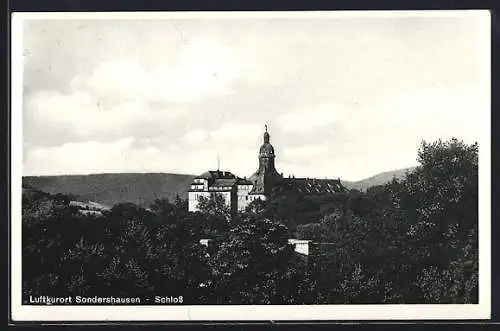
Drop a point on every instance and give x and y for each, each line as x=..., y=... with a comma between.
x=254, y=265
x=311, y=231
x=180, y=265
x=256, y=207
x=170, y=212
x=130, y=251
x=429, y=220
x=164, y=209
x=413, y=240
x=215, y=205
x=215, y=213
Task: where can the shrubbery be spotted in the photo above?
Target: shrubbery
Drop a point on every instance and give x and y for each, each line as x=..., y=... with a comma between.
x=409, y=241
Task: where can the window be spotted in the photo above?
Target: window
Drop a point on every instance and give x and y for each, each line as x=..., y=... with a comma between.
x=246, y=198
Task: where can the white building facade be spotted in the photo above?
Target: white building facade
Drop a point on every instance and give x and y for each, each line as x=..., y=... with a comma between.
x=236, y=192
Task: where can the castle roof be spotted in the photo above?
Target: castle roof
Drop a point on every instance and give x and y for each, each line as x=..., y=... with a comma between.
x=222, y=179
x=243, y=181
x=316, y=185
x=214, y=174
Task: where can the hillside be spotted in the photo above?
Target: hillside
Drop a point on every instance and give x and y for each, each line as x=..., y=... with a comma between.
x=378, y=179
x=144, y=188
x=109, y=189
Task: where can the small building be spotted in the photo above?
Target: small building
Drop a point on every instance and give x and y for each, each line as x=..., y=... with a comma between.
x=300, y=246
x=89, y=207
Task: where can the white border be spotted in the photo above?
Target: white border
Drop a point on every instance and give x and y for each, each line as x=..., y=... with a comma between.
x=245, y=312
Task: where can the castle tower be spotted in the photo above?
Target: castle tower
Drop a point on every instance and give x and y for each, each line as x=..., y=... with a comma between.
x=264, y=178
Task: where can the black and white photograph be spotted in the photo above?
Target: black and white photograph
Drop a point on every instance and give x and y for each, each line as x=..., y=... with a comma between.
x=251, y=166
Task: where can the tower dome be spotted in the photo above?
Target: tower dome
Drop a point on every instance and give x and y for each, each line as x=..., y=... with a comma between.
x=266, y=174
x=266, y=136
x=266, y=150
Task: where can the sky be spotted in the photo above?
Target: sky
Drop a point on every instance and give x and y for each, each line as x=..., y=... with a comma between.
x=343, y=96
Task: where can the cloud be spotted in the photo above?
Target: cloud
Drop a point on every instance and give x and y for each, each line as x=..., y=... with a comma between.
x=405, y=117
x=195, y=137
x=189, y=77
x=380, y=135
x=104, y=157
x=384, y=132
x=123, y=156
x=304, y=121
x=236, y=145
x=236, y=134
x=123, y=80
x=241, y=161
x=126, y=97
x=304, y=152
x=85, y=116
x=86, y=157
x=187, y=90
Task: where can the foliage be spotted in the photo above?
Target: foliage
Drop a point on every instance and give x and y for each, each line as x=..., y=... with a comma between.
x=215, y=213
x=413, y=240
x=169, y=212
x=124, y=252
x=254, y=265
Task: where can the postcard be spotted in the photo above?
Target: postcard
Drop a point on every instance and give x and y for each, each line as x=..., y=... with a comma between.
x=250, y=166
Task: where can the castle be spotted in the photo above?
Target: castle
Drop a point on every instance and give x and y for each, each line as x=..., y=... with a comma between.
x=238, y=192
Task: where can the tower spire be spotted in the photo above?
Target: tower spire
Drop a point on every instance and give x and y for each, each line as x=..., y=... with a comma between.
x=218, y=162
x=266, y=134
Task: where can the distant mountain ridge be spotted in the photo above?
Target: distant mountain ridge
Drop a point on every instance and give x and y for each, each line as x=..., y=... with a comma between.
x=143, y=188
x=110, y=189
x=378, y=179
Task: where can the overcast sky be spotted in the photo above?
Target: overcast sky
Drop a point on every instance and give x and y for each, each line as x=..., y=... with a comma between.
x=343, y=96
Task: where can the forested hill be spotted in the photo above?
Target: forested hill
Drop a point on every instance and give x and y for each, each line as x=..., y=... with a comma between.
x=378, y=179
x=109, y=189
x=144, y=188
